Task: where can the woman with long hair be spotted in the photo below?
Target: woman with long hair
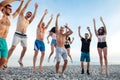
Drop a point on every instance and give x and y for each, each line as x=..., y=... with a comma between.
x=53, y=42
x=68, y=42
x=102, y=45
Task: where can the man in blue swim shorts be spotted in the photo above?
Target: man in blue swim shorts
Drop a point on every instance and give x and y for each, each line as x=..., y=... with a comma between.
x=85, y=55
x=39, y=44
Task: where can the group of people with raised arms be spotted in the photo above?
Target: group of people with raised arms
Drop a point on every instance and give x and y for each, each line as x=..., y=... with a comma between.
x=60, y=38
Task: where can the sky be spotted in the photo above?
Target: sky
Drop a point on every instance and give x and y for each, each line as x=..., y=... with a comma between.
x=75, y=13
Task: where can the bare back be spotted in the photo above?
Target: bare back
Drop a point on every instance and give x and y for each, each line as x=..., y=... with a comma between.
x=22, y=24
x=40, y=33
x=4, y=26
x=60, y=40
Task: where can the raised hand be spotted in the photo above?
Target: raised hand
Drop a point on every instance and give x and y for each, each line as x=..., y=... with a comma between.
x=21, y=0
x=46, y=11
x=66, y=25
x=79, y=27
x=58, y=15
x=52, y=15
x=36, y=5
x=101, y=19
x=93, y=20
x=29, y=0
x=88, y=28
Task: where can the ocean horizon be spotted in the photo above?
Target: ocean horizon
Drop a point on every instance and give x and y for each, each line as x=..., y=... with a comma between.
x=28, y=63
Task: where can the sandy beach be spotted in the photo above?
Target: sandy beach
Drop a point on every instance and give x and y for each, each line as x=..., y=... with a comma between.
x=48, y=73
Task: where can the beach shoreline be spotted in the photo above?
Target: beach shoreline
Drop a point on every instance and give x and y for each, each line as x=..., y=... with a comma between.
x=73, y=72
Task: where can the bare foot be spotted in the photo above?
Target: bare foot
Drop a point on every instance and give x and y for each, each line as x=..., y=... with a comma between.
x=40, y=68
x=107, y=72
x=101, y=70
x=34, y=70
x=5, y=67
x=20, y=63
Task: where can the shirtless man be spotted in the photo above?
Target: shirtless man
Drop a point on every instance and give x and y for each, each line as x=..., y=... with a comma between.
x=5, y=10
x=39, y=44
x=20, y=34
x=68, y=42
x=60, y=49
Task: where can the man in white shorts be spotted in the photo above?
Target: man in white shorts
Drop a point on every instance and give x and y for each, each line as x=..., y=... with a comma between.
x=20, y=34
x=60, y=49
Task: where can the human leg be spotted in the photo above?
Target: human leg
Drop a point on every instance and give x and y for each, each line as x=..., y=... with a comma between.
x=64, y=66
x=52, y=51
x=101, y=59
x=22, y=55
x=68, y=51
x=3, y=61
x=34, y=61
x=106, y=60
x=41, y=59
x=88, y=68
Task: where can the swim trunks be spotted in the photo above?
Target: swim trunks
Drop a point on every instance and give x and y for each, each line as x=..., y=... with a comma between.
x=19, y=37
x=39, y=45
x=61, y=52
x=85, y=56
x=3, y=48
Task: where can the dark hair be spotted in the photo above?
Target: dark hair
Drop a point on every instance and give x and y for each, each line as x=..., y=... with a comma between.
x=68, y=38
x=8, y=5
x=29, y=12
x=53, y=30
x=103, y=31
x=86, y=34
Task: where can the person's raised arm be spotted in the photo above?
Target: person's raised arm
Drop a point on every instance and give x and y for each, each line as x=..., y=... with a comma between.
x=5, y=2
x=95, y=27
x=25, y=7
x=56, y=23
x=69, y=32
x=79, y=33
x=72, y=40
x=88, y=28
x=66, y=25
x=103, y=25
x=49, y=22
x=18, y=10
x=41, y=21
x=34, y=14
x=48, y=37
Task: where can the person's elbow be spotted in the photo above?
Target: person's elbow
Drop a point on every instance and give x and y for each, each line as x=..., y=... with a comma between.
x=71, y=32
